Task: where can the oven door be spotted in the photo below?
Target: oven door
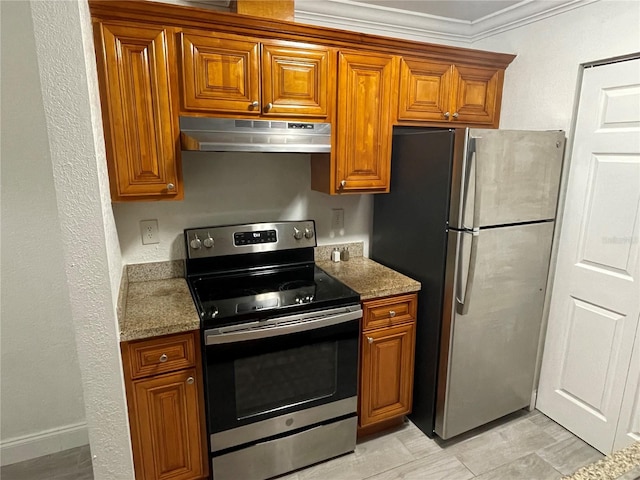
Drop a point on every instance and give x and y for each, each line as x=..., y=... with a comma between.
x=269, y=377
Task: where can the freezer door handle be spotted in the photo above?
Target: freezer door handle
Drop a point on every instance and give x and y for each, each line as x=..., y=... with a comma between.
x=470, y=167
x=462, y=304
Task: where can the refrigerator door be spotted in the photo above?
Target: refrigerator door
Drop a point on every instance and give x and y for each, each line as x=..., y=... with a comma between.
x=496, y=281
x=507, y=177
x=409, y=235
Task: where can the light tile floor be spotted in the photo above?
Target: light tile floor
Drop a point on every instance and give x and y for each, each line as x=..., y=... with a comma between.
x=524, y=445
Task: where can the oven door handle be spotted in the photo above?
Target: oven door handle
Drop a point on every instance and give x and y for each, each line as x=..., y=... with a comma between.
x=279, y=326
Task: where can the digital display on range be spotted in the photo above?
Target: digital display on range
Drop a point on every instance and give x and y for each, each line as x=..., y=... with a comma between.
x=252, y=238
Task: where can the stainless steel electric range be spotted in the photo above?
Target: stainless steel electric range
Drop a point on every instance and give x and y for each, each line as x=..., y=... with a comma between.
x=280, y=349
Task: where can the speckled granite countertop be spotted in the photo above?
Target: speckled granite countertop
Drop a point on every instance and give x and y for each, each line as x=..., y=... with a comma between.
x=155, y=300
x=369, y=278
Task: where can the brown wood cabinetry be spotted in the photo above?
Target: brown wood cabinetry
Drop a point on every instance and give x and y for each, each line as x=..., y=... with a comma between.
x=441, y=92
x=388, y=351
x=366, y=98
x=158, y=61
x=166, y=407
x=243, y=76
x=138, y=113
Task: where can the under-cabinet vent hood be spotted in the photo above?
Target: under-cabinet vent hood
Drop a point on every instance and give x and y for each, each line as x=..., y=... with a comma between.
x=231, y=135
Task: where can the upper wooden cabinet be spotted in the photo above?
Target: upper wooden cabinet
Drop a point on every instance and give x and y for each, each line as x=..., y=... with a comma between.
x=244, y=76
x=158, y=61
x=139, y=118
x=441, y=92
x=366, y=98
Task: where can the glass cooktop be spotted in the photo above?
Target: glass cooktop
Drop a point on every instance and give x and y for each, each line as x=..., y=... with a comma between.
x=236, y=297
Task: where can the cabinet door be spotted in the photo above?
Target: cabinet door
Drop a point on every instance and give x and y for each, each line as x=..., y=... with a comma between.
x=220, y=73
x=297, y=81
x=167, y=417
x=387, y=373
x=140, y=126
x=366, y=98
x=475, y=95
x=425, y=90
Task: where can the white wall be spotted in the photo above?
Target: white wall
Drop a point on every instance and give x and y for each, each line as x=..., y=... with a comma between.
x=61, y=263
x=42, y=405
x=540, y=85
x=93, y=264
x=226, y=188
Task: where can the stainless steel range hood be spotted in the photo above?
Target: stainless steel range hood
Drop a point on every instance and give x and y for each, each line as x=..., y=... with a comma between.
x=231, y=135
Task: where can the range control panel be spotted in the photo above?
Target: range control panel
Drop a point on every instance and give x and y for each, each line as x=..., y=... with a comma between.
x=249, y=238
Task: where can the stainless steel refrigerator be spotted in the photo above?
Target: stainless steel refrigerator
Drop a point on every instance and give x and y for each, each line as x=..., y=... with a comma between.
x=471, y=216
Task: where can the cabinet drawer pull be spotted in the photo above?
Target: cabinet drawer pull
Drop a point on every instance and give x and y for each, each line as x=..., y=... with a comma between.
x=255, y=104
x=343, y=183
x=269, y=106
x=163, y=358
x=170, y=186
x=446, y=114
x=190, y=380
x=392, y=313
x=369, y=339
x=455, y=115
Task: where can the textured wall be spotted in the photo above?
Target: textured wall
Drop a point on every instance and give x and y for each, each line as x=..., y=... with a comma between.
x=92, y=258
x=41, y=388
x=540, y=85
x=224, y=188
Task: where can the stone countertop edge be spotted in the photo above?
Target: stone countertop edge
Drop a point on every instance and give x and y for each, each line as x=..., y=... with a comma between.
x=155, y=300
x=369, y=278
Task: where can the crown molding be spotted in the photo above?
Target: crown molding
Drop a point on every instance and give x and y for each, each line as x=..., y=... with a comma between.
x=379, y=20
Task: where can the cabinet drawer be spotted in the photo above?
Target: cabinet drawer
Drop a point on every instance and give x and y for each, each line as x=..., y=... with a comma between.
x=164, y=354
x=389, y=311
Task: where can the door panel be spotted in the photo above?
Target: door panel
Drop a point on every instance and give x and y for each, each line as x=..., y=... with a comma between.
x=628, y=430
x=517, y=176
x=137, y=112
x=363, y=133
x=475, y=95
x=492, y=347
x=425, y=90
x=220, y=73
x=587, y=376
x=296, y=80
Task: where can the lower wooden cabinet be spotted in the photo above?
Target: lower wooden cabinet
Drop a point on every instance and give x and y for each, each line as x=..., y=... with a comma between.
x=387, y=359
x=166, y=413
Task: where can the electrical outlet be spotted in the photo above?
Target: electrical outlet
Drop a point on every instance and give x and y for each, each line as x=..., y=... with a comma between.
x=149, y=231
x=337, y=219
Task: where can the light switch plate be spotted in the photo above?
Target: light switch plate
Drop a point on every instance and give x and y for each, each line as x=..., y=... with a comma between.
x=337, y=219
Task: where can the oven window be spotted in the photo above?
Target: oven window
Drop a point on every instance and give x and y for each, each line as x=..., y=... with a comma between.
x=276, y=380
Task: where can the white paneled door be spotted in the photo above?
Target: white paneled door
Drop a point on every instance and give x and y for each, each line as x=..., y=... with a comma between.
x=589, y=378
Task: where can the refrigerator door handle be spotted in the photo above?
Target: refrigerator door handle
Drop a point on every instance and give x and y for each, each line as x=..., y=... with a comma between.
x=470, y=166
x=462, y=305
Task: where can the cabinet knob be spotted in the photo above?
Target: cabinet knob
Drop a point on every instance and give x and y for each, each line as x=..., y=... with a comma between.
x=369, y=339
x=446, y=114
x=163, y=358
x=255, y=104
x=170, y=186
x=343, y=183
x=392, y=313
x=190, y=380
x=269, y=106
x=455, y=115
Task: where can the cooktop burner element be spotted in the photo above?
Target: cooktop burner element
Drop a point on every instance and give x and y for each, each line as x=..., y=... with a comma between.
x=258, y=271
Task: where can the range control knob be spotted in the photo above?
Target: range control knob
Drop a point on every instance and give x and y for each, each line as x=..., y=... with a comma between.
x=195, y=243
x=308, y=233
x=208, y=242
x=297, y=234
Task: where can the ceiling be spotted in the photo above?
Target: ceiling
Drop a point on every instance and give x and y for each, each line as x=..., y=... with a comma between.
x=467, y=10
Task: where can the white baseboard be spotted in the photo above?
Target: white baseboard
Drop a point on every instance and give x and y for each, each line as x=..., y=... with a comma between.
x=34, y=445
